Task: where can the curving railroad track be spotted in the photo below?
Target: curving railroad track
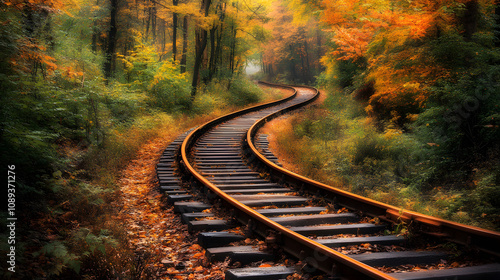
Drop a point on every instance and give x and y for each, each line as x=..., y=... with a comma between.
x=225, y=164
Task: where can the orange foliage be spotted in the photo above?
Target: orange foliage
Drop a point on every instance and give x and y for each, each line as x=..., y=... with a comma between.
x=355, y=24
x=385, y=33
x=411, y=78
x=51, y=5
x=32, y=56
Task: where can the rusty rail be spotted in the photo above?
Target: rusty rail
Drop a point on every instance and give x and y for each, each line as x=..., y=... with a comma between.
x=314, y=253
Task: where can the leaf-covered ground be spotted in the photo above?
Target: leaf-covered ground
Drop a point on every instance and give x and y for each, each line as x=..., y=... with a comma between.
x=162, y=245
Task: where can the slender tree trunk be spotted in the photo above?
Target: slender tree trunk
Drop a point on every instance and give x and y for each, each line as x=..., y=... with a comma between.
x=201, y=43
x=308, y=63
x=174, y=31
x=292, y=65
x=184, y=44
x=216, y=34
x=95, y=32
x=163, y=37
x=303, y=69
x=148, y=21
x=218, y=49
x=110, y=50
x=212, y=62
x=233, y=48
x=153, y=21
x=497, y=28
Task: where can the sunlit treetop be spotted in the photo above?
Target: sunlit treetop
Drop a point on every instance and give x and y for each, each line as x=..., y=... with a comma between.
x=355, y=24
x=50, y=5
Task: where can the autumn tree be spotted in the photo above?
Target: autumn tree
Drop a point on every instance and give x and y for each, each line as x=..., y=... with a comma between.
x=185, y=28
x=393, y=38
x=426, y=66
x=112, y=33
x=200, y=45
x=174, y=30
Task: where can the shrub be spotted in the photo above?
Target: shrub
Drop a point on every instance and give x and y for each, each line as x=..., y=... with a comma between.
x=371, y=147
x=206, y=103
x=124, y=103
x=167, y=88
x=242, y=92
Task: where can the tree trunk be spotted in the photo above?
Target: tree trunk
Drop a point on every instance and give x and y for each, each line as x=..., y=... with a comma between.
x=293, y=72
x=163, y=38
x=233, y=48
x=174, y=31
x=218, y=49
x=148, y=21
x=184, y=44
x=233, y=43
x=471, y=19
x=308, y=63
x=497, y=28
x=110, y=50
x=216, y=34
x=153, y=21
x=211, y=65
x=200, y=45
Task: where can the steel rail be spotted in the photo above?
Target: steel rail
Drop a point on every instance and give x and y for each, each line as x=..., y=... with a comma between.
x=312, y=252
x=485, y=240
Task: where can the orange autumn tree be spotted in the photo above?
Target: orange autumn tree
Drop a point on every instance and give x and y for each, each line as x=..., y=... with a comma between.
x=390, y=36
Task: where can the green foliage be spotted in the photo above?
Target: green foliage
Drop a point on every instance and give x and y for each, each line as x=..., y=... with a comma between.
x=124, y=104
x=453, y=51
x=62, y=258
x=346, y=71
x=167, y=89
x=222, y=93
x=480, y=203
x=207, y=102
x=326, y=128
x=170, y=91
x=93, y=242
x=463, y=112
x=242, y=92
x=369, y=148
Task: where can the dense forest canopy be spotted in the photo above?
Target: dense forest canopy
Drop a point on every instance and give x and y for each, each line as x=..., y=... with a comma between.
x=84, y=83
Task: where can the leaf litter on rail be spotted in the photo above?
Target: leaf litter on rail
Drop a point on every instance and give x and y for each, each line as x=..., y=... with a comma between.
x=161, y=243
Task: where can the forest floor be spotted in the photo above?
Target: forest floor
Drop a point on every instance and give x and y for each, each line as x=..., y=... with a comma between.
x=160, y=241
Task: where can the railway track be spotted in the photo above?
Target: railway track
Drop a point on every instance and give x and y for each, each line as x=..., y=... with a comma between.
x=226, y=164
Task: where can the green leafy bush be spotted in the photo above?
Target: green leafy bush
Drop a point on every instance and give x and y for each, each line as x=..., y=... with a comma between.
x=59, y=258
x=167, y=89
x=242, y=92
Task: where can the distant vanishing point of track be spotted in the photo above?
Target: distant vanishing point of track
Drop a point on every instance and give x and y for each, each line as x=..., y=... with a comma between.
x=224, y=166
